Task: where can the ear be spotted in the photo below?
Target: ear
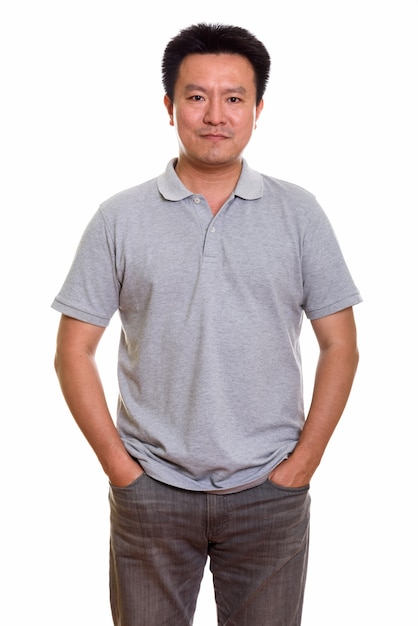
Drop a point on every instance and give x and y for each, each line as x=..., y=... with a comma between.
x=169, y=106
x=258, y=109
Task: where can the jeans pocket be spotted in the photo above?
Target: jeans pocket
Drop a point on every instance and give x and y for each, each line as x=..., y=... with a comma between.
x=283, y=488
x=130, y=486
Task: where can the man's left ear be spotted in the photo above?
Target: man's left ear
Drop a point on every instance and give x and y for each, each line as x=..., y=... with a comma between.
x=258, y=110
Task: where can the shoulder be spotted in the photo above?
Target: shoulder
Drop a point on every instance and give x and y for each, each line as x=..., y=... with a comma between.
x=288, y=190
x=296, y=203
x=130, y=198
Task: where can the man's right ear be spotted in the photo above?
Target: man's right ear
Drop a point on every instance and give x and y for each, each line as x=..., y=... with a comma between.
x=169, y=106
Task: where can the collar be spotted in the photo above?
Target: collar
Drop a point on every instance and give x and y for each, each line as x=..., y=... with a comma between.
x=249, y=185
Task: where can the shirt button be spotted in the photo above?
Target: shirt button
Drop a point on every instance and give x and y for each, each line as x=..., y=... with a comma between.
x=212, y=229
x=196, y=200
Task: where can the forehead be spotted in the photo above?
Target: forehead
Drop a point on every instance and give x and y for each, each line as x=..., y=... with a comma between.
x=212, y=69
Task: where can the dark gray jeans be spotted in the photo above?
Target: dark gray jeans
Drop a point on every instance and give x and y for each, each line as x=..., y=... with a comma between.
x=161, y=536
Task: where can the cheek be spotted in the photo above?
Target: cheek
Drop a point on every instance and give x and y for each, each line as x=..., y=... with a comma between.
x=187, y=118
x=244, y=120
x=247, y=126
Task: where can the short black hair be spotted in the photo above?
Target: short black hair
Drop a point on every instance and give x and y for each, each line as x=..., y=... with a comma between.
x=215, y=39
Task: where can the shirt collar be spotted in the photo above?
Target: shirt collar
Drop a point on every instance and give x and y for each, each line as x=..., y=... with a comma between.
x=249, y=185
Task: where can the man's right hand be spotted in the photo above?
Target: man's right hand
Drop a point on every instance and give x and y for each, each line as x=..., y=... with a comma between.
x=126, y=475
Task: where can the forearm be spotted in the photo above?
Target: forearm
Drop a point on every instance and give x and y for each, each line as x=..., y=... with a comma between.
x=84, y=395
x=82, y=388
x=336, y=368
x=333, y=381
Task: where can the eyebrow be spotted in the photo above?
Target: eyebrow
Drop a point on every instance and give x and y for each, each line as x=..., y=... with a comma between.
x=196, y=87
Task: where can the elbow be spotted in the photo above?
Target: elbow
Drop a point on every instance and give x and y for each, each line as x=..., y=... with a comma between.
x=352, y=357
x=356, y=357
x=57, y=362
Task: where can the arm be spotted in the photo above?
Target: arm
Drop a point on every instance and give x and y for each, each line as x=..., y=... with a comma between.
x=337, y=364
x=80, y=382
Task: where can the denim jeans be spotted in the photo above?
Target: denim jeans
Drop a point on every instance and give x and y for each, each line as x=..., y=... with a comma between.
x=161, y=537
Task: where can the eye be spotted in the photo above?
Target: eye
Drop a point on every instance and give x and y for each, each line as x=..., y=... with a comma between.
x=196, y=98
x=234, y=99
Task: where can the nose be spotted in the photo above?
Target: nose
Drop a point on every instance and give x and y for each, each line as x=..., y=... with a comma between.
x=214, y=113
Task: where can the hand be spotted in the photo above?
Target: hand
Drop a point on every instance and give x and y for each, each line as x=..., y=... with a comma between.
x=289, y=474
x=126, y=475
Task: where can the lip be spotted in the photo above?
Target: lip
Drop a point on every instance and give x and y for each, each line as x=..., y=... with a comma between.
x=214, y=136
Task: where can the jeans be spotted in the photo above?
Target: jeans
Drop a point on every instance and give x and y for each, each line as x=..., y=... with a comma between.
x=161, y=536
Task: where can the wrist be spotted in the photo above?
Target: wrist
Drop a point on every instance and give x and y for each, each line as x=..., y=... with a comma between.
x=118, y=465
x=125, y=473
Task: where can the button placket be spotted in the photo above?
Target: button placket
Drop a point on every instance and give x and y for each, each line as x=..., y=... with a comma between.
x=211, y=244
x=212, y=239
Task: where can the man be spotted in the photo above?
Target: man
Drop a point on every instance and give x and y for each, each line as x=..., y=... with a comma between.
x=211, y=266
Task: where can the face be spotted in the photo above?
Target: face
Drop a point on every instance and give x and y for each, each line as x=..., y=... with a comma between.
x=214, y=109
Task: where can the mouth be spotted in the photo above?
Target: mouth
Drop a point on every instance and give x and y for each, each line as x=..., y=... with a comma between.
x=214, y=136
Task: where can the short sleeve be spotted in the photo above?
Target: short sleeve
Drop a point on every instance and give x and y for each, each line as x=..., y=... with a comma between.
x=328, y=286
x=90, y=292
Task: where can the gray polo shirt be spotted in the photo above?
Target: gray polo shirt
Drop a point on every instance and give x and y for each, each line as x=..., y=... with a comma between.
x=211, y=309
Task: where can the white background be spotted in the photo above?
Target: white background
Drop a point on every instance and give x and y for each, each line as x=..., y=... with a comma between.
x=82, y=118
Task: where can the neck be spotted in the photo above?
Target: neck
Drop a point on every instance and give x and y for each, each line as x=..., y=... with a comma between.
x=215, y=183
